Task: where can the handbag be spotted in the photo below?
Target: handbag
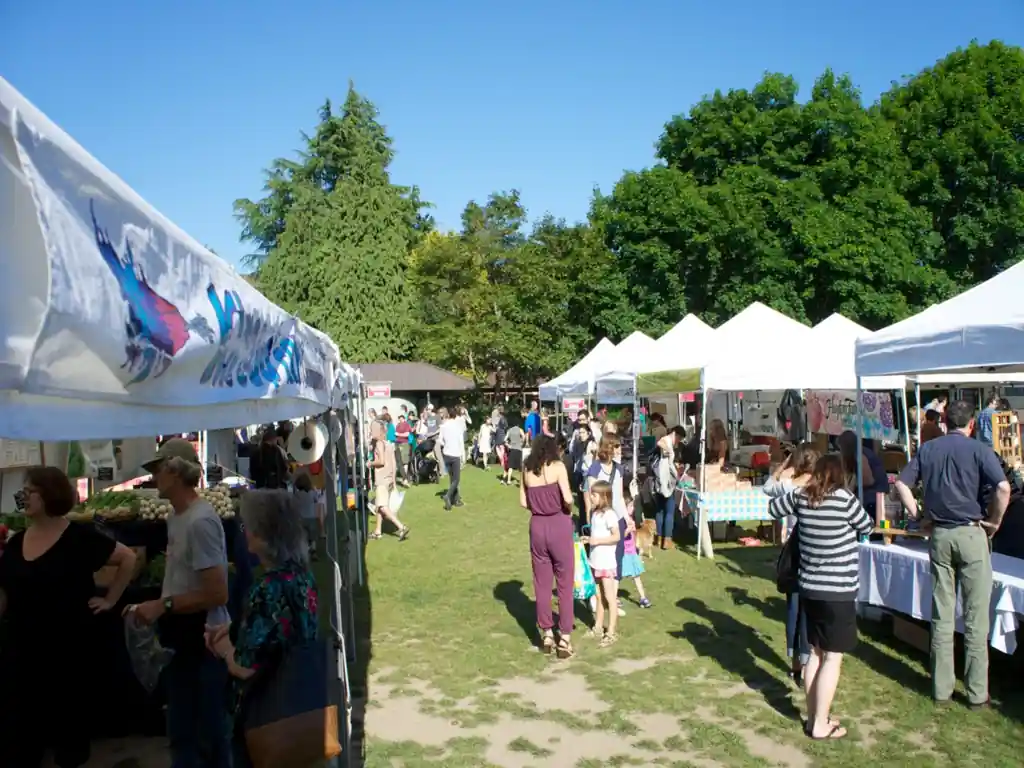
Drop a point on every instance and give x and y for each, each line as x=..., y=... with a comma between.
x=288, y=715
x=787, y=567
x=583, y=585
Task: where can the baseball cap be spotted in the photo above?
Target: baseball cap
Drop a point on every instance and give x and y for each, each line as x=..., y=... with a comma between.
x=175, y=448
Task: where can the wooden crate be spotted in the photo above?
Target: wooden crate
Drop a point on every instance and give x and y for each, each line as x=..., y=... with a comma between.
x=913, y=633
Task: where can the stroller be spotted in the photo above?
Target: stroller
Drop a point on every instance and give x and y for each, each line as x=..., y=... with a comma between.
x=423, y=465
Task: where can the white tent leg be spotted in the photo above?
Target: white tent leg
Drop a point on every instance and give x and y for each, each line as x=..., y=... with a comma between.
x=703, y=528
x=920, y=411
x=906, y=421
x=860, y=450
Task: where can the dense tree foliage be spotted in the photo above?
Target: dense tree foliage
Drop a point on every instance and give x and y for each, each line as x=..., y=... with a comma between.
x=812, y=206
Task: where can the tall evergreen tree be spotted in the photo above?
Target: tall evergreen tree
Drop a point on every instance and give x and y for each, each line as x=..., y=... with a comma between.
x=333, y=234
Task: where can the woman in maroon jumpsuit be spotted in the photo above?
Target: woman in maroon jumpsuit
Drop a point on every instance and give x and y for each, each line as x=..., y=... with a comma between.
x=545, y=492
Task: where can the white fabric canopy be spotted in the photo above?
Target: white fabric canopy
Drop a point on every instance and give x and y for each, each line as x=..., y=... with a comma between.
x=578, y=380
x=759, y=348
x=615, y=379
x=979, y=331
x=835, y=345
x=688, y=344
x=115, y=323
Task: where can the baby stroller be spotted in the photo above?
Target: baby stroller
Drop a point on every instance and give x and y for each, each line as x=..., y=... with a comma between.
x=423, y=464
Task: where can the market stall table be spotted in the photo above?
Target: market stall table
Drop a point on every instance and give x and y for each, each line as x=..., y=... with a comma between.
x=898, y=577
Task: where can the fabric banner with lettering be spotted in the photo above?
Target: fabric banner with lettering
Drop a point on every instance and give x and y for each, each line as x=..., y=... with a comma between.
x=835, y=411
x=115, y=323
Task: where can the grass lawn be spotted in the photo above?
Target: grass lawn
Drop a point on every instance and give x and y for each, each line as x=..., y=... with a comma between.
x=453, y=677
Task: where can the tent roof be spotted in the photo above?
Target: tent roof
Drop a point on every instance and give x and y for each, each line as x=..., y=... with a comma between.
x=629, y=354
x=979, y=331
x=413, y=377
x=115, y=323
x=579, y=379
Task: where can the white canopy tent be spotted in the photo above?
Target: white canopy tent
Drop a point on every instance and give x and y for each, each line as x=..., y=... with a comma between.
x=981, y=331
x=579, y=379
x=836, y=343
x=615, y=378
x=691, y=332
x=115, y=323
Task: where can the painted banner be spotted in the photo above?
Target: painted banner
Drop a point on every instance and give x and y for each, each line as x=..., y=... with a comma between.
x=573, y=404
x=379, y=390
x=133, y=328
x=835, y=411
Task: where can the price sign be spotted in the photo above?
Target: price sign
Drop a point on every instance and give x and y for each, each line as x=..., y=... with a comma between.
x=105, y=474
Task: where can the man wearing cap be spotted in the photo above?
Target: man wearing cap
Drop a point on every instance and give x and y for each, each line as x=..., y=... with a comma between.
x=194, y=597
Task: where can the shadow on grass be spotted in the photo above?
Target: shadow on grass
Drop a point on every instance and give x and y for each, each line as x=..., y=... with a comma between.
x=737, y=648
x=749, y=562
x=773, y=608
x=520, y=607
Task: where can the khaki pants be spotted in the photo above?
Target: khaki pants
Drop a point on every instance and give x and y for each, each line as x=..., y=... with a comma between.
x=960, y=557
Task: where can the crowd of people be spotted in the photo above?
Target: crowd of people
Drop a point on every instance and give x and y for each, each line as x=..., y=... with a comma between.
x=47, y=593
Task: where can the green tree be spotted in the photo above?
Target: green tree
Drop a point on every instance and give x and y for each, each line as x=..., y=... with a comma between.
x=961, y=126
x=762, y=198
x=333, y=235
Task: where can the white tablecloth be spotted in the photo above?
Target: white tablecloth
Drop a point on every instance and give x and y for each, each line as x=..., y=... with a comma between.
x=898, y=577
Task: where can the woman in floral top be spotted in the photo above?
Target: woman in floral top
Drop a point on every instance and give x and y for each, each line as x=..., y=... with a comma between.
x=281, y=610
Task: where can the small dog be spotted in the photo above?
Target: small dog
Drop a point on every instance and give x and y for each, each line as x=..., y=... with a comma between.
x=645, y=538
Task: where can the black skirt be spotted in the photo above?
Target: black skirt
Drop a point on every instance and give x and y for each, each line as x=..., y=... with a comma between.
x=515, y=459
x=831, y=625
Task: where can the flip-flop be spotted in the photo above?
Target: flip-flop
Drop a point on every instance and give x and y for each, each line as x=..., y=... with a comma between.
x=831, y=735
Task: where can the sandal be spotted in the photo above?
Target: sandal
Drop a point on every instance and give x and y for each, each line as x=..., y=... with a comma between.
x=564, y=648
x=374, y=536
x=594, y=633
x=833, y=734
x=547, y=642
x=608, y=640
x=404, y=533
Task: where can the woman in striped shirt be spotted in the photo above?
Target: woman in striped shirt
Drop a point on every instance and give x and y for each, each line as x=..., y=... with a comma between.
x=830, y=520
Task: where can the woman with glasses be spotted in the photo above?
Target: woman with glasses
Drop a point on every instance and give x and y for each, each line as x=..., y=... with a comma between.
x=48, y=596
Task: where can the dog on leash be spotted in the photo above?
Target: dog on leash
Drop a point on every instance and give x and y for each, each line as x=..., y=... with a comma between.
x=645, y=538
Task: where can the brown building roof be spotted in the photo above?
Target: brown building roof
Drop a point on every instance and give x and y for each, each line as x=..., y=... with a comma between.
x=413, y=377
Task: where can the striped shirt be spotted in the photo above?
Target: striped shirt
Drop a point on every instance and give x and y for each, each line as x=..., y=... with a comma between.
x=829, y=552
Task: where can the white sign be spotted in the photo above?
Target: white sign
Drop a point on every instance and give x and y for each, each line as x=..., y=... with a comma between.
x=15, y=454
x=99, y=455
x=379, y=390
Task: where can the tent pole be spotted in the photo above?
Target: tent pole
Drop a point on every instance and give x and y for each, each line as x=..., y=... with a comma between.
x=906, y=421
x=920, y=410
x=635, y=427
x=703, y=475
x=337, y=585
x=860, y=450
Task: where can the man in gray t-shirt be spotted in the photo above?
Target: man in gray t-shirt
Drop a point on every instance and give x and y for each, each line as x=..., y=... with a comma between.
x=194, y=597
x=195, y=543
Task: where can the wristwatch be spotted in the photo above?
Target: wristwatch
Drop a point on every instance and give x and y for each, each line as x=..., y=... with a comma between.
x=168, y=605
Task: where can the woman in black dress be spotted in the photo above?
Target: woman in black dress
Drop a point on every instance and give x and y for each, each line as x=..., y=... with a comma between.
x=47, y=596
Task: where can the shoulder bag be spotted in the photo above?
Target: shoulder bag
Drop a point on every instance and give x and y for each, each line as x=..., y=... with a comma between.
x=787, y=568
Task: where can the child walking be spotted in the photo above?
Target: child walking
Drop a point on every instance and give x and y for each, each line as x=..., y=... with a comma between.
x=632, y=565
x=603, y=538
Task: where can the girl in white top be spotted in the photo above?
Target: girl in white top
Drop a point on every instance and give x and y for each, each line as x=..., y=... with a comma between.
x=603, y=538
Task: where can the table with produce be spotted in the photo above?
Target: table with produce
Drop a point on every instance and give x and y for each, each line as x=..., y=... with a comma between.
x=137, y=518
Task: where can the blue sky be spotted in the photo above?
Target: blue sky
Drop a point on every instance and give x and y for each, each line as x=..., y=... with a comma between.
x=188, y=101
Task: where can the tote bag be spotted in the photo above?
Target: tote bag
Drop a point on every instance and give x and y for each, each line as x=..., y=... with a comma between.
x=583, y=585
x=288, y=715
x=787, y=567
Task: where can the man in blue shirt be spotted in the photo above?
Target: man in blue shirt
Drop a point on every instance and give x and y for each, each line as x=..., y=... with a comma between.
x=955, y=471
x=984, y=433
x=532, y=423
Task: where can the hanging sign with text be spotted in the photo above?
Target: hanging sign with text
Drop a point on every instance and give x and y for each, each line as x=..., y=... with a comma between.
x=573, y=404
x=379, y=389
x=835, y=411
